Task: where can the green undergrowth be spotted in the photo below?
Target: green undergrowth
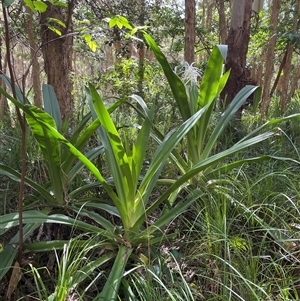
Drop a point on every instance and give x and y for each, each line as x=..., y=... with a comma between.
x=240, y=241
x=123, y=207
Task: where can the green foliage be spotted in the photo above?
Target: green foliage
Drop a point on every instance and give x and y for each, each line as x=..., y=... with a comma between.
x=201, y=144
x=121, y=80
x=131, y=195
x=58, y=160
x=130, y=186
x=36, y=6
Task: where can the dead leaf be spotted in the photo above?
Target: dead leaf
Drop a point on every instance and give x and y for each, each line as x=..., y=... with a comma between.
x=14, y=280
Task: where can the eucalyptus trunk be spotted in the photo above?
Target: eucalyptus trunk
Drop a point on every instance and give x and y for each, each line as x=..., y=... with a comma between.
x=295, y=80
x=190, y=21
x=238, y=41
x=57, y=51
x=222, y=21
x=269, y=65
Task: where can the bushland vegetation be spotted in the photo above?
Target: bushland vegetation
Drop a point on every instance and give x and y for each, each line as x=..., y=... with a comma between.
x=149, y=150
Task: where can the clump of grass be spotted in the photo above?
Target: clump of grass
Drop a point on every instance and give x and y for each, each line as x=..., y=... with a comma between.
x=162, y=279
x=74, y=276
x=242, y=236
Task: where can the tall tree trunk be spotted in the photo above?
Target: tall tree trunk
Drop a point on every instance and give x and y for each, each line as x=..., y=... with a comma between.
x=190, y=23
x=35, y=70
x=222, y=21
x=285, y=79
x=276, y=84
x=57, y=52
x=288, y=64
x=269, y=66
x=295, y=80
x=237, y=41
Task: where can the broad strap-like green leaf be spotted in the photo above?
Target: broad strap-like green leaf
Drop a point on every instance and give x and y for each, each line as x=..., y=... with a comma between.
x=167, y=216
x=158, y=137
x=176, y=85
x=51, y=105
x=201, y=132
x=91, y=155
x=19, y=94
x=79, y=142
x=79, y=128
x=210, y=82
x=140, y=146
x=226, y=117
x=113, y=135
x=116, y=156
x=39, y=122
x=10, y=220
x=203, y=124
x=207, y=164
x=125, y=195
x=112, y=283
x=107, y=225
x=50, y=148
x=193, y=97
x=110, y=109
x=55, y=134
x=160, y=157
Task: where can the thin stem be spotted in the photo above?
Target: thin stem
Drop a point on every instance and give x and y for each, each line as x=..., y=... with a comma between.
x=21, y=119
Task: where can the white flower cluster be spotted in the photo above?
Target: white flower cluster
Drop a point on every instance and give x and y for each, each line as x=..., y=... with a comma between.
x=189, y=74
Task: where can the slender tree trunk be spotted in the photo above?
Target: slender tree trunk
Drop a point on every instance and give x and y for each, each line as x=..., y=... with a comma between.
x=209, y=14
x=57, y=52
x=222, y=21
x=269, y=64
x=285, y=79
x=295, y=81
x=238, y=41
x=276, y=84
x=35, y=70
x=190, y=21
x=141, y=51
